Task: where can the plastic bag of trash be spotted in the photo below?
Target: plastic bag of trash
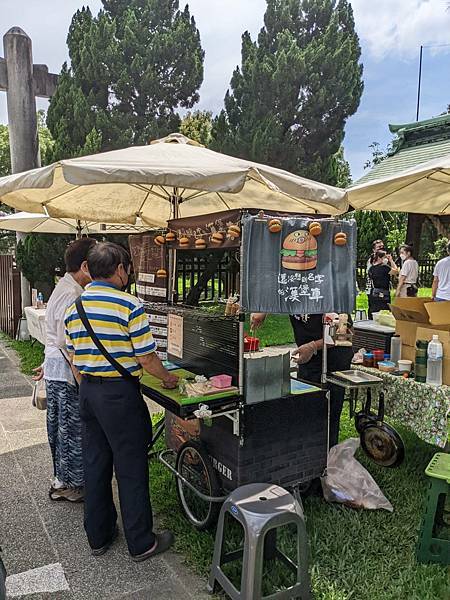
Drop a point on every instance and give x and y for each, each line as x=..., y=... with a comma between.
x=348, y=482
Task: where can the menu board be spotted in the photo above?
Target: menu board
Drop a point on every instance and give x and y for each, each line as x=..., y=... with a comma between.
x=175, y=335
x=147, y=259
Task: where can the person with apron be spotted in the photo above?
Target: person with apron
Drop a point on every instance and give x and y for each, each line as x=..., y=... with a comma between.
x=409, y=274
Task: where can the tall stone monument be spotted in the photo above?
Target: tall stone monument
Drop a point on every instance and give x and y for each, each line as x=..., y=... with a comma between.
x=23, y=82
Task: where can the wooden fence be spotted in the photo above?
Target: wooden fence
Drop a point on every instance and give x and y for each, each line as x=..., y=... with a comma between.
x=10, y=297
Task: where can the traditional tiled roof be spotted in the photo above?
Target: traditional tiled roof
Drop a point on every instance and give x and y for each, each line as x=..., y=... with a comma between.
x=416, y=143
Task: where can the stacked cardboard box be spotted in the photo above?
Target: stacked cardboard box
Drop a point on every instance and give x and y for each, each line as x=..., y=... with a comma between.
x=420, y=319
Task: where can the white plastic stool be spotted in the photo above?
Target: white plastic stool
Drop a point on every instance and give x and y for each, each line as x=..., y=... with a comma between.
x=261, y=509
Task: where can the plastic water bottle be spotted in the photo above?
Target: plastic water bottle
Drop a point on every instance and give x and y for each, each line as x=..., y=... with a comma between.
x=396, y=348
x=40, y=300
x=434, y=362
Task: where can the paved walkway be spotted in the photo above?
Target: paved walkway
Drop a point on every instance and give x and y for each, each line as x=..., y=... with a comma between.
x=44, y=546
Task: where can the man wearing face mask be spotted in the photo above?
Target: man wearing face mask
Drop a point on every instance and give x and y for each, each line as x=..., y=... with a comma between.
x=110, y=343
x=380, y=272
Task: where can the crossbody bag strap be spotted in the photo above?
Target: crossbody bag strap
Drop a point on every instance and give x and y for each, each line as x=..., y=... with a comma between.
x=112, y=361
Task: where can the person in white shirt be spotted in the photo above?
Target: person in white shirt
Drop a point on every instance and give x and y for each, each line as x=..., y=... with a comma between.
x=63, y=413
x=441, y=282
x=409, y=274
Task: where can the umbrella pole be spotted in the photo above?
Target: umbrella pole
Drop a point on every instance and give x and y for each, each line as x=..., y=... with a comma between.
x=79, y=230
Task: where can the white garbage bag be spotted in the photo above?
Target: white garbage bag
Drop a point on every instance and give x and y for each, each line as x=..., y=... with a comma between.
x=348, y=482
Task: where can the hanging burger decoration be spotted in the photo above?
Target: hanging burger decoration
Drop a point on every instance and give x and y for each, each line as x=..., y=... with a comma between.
x=200, y=244
x=274, y=225
x=217, y=238
x=315, y=228
x=214, y=231
x=170, y=237
x=160, y=240
x=299, y=251
x=340, y=239
x=234, y=232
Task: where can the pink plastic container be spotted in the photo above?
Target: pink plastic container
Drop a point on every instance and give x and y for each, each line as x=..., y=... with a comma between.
x=221, y=381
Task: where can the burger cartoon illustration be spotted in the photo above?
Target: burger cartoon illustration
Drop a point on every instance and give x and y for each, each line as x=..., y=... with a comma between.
x=299, y=251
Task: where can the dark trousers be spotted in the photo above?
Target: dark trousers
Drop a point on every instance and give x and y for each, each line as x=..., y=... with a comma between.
x=339, y=360
x=376, y=303
x=116, y=430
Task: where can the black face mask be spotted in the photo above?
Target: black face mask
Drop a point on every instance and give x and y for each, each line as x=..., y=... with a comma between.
x=124, y=285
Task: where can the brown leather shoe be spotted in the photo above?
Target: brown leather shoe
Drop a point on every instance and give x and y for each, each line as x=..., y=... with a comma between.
x=163, y=542
x=74, y=495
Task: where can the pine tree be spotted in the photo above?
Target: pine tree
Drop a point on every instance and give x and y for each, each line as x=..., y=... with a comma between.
x=296, y=87
x=132, y=67
x=197, y=126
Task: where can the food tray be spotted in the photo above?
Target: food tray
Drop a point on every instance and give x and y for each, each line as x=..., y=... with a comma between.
x=357, y=377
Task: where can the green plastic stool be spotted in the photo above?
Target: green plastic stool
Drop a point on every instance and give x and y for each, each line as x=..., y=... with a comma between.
x=434, y=538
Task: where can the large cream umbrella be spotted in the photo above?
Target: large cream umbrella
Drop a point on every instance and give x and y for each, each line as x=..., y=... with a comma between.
x=424, y=188
x=39, y=223
x=173, y=177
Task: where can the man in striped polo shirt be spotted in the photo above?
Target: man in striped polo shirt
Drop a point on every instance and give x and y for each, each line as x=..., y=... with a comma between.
x=116, y=424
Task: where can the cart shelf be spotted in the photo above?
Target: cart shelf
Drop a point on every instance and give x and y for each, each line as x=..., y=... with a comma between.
x=180, y=405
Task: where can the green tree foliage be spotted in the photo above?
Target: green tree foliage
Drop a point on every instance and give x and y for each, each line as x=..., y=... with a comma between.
x=39, y=255
x=296, y=86
x=132, y=67
x=374, y=225
x=440, y=248
x=46, y=142
x=197, y=126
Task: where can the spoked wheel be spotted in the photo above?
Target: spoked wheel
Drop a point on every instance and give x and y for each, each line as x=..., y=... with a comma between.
x=194, y=465
x=382, y=446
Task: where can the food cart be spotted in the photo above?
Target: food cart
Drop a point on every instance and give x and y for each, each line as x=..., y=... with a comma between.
x=264, y=425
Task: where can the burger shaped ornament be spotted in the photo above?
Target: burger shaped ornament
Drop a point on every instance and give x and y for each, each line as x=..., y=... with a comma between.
x=299, y=251
x=160, y=240
x=340, y=239
x=217, y=238
x=275, y=226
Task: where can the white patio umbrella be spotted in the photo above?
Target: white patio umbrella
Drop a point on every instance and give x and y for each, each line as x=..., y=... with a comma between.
x=39, y=223
x=424, y=188
x=173, y=177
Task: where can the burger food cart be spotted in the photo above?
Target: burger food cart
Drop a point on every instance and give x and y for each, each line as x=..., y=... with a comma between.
x=238, y=415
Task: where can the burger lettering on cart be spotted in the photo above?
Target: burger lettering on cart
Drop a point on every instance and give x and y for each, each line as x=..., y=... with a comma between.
x=299, y=251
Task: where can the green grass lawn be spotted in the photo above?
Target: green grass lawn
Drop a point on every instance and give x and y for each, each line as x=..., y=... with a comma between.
x=357, y=555
x=31, y=354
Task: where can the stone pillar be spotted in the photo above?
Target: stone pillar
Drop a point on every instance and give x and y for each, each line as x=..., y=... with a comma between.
x=22, y=119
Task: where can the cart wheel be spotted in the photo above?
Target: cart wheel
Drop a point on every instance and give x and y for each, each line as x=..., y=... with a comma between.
x=193, y=464
x=381, y=447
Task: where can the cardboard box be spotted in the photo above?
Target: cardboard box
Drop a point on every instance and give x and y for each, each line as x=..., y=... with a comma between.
x=412, y=313
x=408, y=353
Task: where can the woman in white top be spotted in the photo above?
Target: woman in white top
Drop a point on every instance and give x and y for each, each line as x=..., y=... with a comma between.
x=63, y=414
x=409, y=274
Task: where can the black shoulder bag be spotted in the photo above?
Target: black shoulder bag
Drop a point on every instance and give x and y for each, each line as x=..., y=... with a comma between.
x=112, y=361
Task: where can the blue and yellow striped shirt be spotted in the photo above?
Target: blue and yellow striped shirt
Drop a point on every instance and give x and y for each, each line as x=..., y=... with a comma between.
x=121, y=325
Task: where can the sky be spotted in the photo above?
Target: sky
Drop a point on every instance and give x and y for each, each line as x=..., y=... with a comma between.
x=391, y=33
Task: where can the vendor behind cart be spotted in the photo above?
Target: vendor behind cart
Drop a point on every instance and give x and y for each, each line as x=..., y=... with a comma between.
x=308, y=334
